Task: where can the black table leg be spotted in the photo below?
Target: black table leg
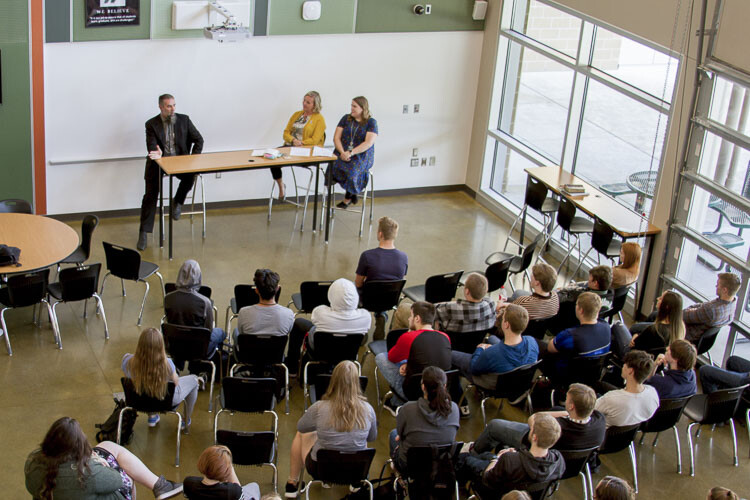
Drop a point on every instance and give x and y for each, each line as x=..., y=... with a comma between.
x=161, y=209
x=330, y=201
x=171, y=208
x=315, y=199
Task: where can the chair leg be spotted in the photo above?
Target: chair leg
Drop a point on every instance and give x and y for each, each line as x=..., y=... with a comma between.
x=677, y=447
x=656, y=439
x=372, y=202
x=161, y=280
x=747, y=423
x=211, y=389
x=362, y=215
x=370, y=489
x=377, y=388
x=734, y=442
x=581, y=261
x=690, y=447
x=484, y=414
x=100, y=307
x=634, y=464
x=85, y=307
x=143, y=304
x=179, y=431
x=307, y=197
x=55, y=324
x=286, y=391
x=5, y=331
x=101, y=292
x=583, y=485
x=275, y=477
x=122, y=284
x=203, y=203
x=590, y=482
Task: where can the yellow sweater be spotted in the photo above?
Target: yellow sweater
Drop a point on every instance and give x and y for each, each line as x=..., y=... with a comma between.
x=314, y=132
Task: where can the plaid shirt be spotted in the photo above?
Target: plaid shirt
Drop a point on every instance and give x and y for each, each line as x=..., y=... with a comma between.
x=464, y=316
x=700, y=317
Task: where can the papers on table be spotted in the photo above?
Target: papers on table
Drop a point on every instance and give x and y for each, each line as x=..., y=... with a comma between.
x=318, y=151
x=299, y=152
x=257, y=152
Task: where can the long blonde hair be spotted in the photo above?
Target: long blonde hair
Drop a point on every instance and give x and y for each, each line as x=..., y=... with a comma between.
x=148, y=367
x=670, y=311
x=344, y=394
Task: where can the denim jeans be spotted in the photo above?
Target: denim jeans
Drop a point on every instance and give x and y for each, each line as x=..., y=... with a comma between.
x=501, y=433
x=390, y=372
x=736, y=374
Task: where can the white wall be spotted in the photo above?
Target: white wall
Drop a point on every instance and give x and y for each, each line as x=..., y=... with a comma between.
x=99, y=94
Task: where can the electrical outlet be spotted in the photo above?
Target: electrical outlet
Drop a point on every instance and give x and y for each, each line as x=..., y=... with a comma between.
x=218, y=175
x=415, y=162
x=415, y=152
x=432, y=161
x=423, y=162
x=428, y=9
x=406, y=109
x=416, y=108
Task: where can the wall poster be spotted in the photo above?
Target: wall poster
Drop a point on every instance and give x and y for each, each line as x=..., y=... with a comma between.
x=112, y=13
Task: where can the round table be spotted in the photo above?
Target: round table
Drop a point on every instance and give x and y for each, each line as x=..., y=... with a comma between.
x=644, y=185
x=43, y=241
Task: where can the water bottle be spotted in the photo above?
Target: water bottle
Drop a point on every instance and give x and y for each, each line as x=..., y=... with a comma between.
x=503, y=294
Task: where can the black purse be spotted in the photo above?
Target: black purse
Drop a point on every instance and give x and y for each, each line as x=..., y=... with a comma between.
x=9, y=256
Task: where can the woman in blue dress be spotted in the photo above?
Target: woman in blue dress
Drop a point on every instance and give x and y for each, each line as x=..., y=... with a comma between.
x=355, y=146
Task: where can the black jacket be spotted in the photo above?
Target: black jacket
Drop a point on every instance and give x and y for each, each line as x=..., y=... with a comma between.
x=519, y=469
x=187, y=139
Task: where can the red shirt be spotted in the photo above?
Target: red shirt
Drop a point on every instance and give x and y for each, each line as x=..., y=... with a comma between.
x=400, y=351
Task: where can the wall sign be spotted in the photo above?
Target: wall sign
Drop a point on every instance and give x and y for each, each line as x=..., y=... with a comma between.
x=112, y=13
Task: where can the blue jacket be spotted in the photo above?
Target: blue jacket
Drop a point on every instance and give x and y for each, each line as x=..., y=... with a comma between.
x=501, y=358
x=674, y=383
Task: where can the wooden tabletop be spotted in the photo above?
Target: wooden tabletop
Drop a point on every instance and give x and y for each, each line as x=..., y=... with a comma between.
x=232, y=160
x=43, y=241
x=624, y=221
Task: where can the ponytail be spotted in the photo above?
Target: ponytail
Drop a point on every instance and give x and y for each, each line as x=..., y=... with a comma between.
x=434, y=381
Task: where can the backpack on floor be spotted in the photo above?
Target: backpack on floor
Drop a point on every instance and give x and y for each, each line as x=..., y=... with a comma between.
x=108, y=430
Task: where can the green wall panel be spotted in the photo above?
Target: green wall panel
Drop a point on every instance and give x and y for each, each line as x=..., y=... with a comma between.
x=83, y=34
x=56, y=21
x=15, y=110
x=285, y=18
x=387, y=16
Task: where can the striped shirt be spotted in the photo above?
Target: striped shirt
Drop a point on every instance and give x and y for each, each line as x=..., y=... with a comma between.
x=700, y=317
x=462, y=316
x=538, y=306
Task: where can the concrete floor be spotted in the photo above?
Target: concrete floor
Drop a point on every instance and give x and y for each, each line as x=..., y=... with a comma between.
x=439, y=232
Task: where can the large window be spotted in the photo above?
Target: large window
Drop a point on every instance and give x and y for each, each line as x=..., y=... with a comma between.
x=575, y=93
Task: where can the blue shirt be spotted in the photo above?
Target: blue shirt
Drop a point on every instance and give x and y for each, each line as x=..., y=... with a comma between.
x=383, y=264
x=674, y=384
x=584, y=340
x=501, y=358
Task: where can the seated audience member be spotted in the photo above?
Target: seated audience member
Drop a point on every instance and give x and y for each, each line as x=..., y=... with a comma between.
x=342, y=316
x=473, y=313
x=630, y=265
x=717, y=312
x=590, y=338
x=516, y=495
x=385, y=262
x=511, y=469
x=666, y=328
x=497, y=356
x=721, y=493
x=613, y=488
x=542, y=302
x=414, y=351
x=678, y=380
x=431, y=420
x=581, y=426
x=599, y=282
x=219, y=479
x=635, y=403
x=342, y=420
x=66, y=467
x=736, y=374
x=266, y=317
x=186, y=307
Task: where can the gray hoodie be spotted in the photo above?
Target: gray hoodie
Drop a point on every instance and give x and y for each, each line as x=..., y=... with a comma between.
x=419, y=425
x=185, y=306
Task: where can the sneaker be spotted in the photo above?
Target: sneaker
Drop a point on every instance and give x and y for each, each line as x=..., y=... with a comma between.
x=153, y=420
x=165, y=488
x=355, y=489
x=177, y=211
x=467, y=447
x=392, y=409
x=186, y=426
x=355, y=199
x=292, y=490
x=465, y=411
x=342, y=204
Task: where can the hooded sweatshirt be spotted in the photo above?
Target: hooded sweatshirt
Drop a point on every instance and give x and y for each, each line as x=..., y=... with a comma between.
x=185, y=306
x=342, y=316
x=419, y=425
x=674, y=383
x=518, y=469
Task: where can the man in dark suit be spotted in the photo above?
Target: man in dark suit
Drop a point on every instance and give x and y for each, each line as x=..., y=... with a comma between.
x=167, y=134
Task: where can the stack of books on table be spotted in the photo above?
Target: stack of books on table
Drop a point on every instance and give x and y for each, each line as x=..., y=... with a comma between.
x=574, y=190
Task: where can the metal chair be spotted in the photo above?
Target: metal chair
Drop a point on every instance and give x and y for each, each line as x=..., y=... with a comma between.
x=518, y=263
x=666, y=417
x=537, y=199
x=83, y=251
x=706, y=342
x=77, y=283
x=193, y=211
x=297, y=187
x=586, y=370
x=574, y=226
x=538, y=328
x=468, y=341
x=330, y=350
x=251, y=448
x=190, y=343
x=378, y=346
x=619, y=438
x=514, y=386
x=381, y=295
x=261, y=353
x=244, y=295
x=322, y=380
x=619, y=297
x=311, y=295
x=342, y=467
x=604, y=242
x=712, y=409
x=419, y=465
x=437, y=288
x=145, y=404
x=577, y=465
x=15, y=206
x=126, y=264
x=26, y=290
x=369, y=191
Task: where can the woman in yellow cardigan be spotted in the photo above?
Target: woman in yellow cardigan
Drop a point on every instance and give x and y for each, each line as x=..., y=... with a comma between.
x=305, y=128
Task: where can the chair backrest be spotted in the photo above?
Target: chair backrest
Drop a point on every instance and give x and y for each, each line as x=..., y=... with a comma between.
x=619, y=298
x=497, y=274
x=203, y=289
x=618, y=438
x=528, y=253
x=122, y=262
x=314, y=294
x=248, y=448
x=706, y=341
x=515, y=382
x=441, y=287
x=15, y=206
x=344, y=467
x=566, y=213
x=144, y=403
x=467, y=341
x=336, y=347
x=538, y=328
x=79, y=283
x=602, y=236
x=27, y=289
x=244, y=295
x=585, y=369
x=536, y=193
x=721, y=405
x=186, y=342
x=261, y=350
x=667, y=415
x=393, y=335
x=576, y=460
x=421, y=461
x=323, y=380
x=87, y=230
x=381, y=295
x=249, y=395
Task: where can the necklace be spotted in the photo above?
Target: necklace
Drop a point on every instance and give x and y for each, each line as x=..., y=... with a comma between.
x=352, y=134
